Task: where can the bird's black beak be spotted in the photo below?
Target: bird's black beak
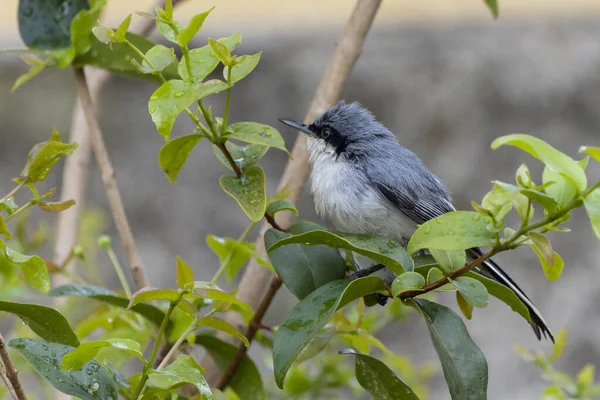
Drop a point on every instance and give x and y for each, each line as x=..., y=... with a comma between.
x=297, y=125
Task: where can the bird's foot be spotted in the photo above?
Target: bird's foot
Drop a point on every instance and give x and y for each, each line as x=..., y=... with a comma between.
x=366, y=272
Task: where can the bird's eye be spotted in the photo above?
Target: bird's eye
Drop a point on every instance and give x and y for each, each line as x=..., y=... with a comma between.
x=325, y=133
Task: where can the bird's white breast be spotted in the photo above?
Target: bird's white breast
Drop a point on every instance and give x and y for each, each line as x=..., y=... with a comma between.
x=344, y=196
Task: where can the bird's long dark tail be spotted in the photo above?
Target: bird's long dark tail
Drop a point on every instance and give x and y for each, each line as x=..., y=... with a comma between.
x=492, y=270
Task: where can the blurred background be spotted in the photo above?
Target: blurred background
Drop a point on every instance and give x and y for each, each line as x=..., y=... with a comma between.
x=441, y=74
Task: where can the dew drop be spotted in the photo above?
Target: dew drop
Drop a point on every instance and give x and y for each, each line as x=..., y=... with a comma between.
x=178, y=94
x=154, y=97
x=476, y=217
x=451, y=233
x=152, y=110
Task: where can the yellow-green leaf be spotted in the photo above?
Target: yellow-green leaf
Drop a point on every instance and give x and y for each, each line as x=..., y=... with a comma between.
x=592, y=207
x=203, y=60
x=242, y=68
x=249, y=191
x=223, y=326
x=43, y=156
x=57, y=206
x=222, y=52
x=593, y=152
x=149, y=294
x=186, y=34
x=207, y=290
x=3, y=228
x=465, y=307
x=560, y=342
x=159, y=56
x=77, y=358
x=174, y=154
x=552, y=271
x=34, y=268
x=252, y=132
x=122, y=29
x=185, y=274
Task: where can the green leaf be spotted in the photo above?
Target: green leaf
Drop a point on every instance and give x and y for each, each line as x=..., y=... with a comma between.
x=122, y=29
x=493, y=6
x=103, y=34
x=43, y=156
x=3, y=228
x=242, y=68
x=160, y=57
x=554, y=392
x=310, y=315
x=553, y=159
x=221, y=51
x=562, y=191
x=465, y=307
x=252, y=132
x=184, y=370
x=207, y=290
x=472, y=290
x=560, y=342
x=151, y=313
x=122, y=59
x=76, y=359
x=250, y=191
x=231, y=252
x=81, y=28
x=33, y=268
x=246, y=382
x=203, y=60
x=524, y=177
x=167, y=30
x=91, y=382
x=55, y=206
x=379, y=249
x=379, y=380
x=45, y=322
x=406, y=282
x=503, y=294
x=317, y=344
x=185, y=274
x=592, y=207
x=149, y=294
x=463, y=363
x=511, y=191
x=585, y=377
x=186, y=34
x=449, y=260
x=304, y=268
x=223, y=326
x=8, y=205
x=174, y=154
x=33, y=71
x=543, y=246
x=552, y=271
x=434, y=275
x=593, y=152
x=280, y=205
x=457, y=230
x=174, y=97
x=46, y=24
x=243, y=156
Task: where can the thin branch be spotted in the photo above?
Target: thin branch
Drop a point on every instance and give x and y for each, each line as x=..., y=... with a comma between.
x=110, y=184
x=9, y=385
x=11, y=373
x=341, y=64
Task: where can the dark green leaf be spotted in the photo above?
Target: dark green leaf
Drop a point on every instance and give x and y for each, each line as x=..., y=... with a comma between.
x=45, y=322
x=186, y=34
x=380, y=381
x=493, y=6
x=247, y=382
x=407, y=281
x=55, y=206
x=553, y=159
x=149, y=294
x=184, y=370
x=223, y=326
x=203, y=60
x=249, y=191
x=592, y=207
x=472, y=290
x=317, y=344
x=280, y=205
x=304, y=268
x=43, y=156
x=174, y=154
x=457, y=230
x=463, y=363
x=185, y=274
x=252, y=132
x=148, y=311
x=221, y=51
x=76, y=359
x=242, y=68
x=449, y=260
x=244, y=157
x=92, y=381
x=46, y=24
x=160, y=57
x=380, y=249
x=33, y=268
x=311, y=314
x=465, y=307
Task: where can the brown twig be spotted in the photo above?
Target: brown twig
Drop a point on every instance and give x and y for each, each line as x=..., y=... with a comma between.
x=11, y=373
x=341, y=64
x=110, y=183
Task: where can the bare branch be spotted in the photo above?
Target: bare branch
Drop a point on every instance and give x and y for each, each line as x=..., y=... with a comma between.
x=15, y=388
x=341, y=64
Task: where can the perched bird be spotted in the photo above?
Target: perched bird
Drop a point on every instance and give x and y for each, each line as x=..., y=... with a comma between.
x=364, y=181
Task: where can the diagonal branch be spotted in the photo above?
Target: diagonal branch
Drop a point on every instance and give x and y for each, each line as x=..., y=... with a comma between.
x=15, y=388
x=341, y=64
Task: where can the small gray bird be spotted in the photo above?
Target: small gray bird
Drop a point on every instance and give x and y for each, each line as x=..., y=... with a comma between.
x=364, y=181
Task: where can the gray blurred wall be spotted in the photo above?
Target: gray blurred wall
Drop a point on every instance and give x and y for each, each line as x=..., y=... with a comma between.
x=447, y=92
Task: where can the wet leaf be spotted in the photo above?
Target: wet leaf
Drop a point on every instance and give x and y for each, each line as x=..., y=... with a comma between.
x=149, y=294
x=184, y=370
x=434, y=275
x=243, y=156
x=33, y=268
x=174, y=154
x=449, y=260
x=309, y=316
x=252, y=132
x=406, y=282
x=379, y=249
x=280, y=205
x=203, y=60
x=160, y=57
x=304, y=268
x=76, y=359
x=250, y=192
x=242, y=68
x=45, y=322
x=379, y=380
x=186, y=34
x=223, y=326
x=221, y=51
x=91, y=382
x=457, y=230
x=207, y=290
x=43, y=156
x=472, y=290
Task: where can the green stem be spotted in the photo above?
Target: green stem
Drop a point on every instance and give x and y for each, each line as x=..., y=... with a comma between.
x=139, y=53
x=209, y=121
x=178, y=343
x=188, y=62
x=117, y=265
x=227, y=101
x=161, y=332
x=230, y=255
x=21, y=209
x=15, y=190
